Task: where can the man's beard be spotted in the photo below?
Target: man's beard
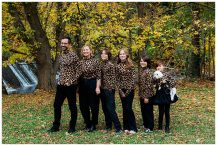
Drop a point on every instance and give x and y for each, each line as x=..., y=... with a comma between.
x=64, y=48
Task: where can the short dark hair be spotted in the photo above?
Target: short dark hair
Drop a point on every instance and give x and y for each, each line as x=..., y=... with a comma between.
x=108, y=52
x=145, y=58
x=160, y=62
x=68, y=38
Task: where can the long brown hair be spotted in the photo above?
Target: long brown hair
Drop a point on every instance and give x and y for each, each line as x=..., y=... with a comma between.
x=145, y=58
x=128, y=62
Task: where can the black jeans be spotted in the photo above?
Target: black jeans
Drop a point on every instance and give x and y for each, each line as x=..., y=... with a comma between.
x=129, y=121
x=108, y=106
x=165, y=108
x=147, y=114
x=89, y=101
x=61, y=93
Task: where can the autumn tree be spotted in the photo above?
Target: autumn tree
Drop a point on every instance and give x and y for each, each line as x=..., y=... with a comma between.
x=180, y=32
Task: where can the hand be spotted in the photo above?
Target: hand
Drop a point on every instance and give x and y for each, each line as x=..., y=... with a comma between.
x=163, y=81
x=146, y=100
x=122, y=93
x=97, y=90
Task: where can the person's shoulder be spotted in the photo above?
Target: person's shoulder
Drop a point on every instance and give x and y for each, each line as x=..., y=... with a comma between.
x=73, y=53
x=111, y=64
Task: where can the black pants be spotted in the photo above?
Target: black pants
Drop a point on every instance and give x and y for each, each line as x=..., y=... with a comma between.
x=164, y=108
x=129, y=121
x=147, y=114
x=108, y=106
x=89, y=101
x=61, y=93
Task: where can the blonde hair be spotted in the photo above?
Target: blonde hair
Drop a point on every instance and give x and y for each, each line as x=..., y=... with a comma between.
x=129, y=62
x=91, y=50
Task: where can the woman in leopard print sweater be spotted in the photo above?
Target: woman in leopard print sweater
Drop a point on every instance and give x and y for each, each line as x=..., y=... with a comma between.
x=125, y=75
x=89, y=88
x=146, y=91
x=108, y=81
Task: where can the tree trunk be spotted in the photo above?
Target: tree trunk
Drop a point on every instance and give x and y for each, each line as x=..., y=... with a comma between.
x=140, y=8
x=213, y=60
x=209, y=55
x=78, y=33
x=45, y=80
x=60, y=32
x=141, y=14
x=204, y=56
x=195, y=57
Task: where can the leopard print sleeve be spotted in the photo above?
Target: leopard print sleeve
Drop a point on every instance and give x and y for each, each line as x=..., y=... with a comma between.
x=170, y=80
x=78, y=68
x=133, y=74
x=98, y=70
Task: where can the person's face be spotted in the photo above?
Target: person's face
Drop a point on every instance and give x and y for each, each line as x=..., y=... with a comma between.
x=160, y=67
x=143, y=63
x=86, y=51
x=104, y=56
x=122, y=55
x=65, y=44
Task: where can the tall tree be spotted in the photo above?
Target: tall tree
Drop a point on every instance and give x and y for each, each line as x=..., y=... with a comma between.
x=195, y=54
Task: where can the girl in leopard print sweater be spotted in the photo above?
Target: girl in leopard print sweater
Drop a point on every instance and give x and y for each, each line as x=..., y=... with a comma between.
x=125, y=75
x=146, y=91
x=108, y=80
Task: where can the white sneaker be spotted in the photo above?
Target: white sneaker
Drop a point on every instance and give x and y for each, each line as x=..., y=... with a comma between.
x=132, y=132
x=148, y=131
x=126, y=131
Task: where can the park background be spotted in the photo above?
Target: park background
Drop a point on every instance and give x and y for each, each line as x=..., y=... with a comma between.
x=181, y=33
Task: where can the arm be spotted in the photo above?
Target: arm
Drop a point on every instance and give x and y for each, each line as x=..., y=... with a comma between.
x=118, y=79
x=78, y=67
x=170, y=80
x=133, y=73
x=98, y=77
x=98, y=84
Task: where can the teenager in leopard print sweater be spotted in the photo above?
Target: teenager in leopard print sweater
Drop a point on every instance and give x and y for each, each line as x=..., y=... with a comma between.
x=108, y=85
x=146, y=91
x=89, y=88
x=125, y=75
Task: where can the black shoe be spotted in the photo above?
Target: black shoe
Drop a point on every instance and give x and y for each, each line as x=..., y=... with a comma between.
x=108, y=128
x=53, y=129
x=71, y=130
x=167, y=130
x=87, y=128
x=92, y=128
x=160, y=128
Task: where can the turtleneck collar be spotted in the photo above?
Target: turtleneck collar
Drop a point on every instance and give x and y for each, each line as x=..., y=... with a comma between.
x=105, y=61
x=144, y=68
x=87, y=58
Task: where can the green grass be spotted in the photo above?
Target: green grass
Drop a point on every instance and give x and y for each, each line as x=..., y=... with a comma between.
x=26, y=119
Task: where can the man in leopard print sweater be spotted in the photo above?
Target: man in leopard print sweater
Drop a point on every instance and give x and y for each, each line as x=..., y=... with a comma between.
x=69, y=68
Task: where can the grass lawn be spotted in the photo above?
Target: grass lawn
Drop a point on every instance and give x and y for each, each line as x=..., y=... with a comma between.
x=26, y=119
